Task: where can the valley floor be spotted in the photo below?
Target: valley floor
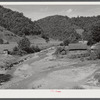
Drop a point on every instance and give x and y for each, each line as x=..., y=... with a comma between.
x=44, y=71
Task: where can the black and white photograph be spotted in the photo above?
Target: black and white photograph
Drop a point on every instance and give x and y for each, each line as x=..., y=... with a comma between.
x=49, y=46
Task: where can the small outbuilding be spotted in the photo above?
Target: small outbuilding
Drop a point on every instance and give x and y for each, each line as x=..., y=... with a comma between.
x=77, y=46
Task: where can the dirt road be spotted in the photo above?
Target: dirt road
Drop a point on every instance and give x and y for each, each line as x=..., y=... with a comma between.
x=44, y=71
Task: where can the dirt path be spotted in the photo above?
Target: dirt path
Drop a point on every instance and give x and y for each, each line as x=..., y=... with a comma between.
x=17, y=79
x=43, y=71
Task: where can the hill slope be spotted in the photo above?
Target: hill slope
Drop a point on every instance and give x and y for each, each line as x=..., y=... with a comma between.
x=8, y=36
x=57, y=26
x=17, y=23
x=62, y=27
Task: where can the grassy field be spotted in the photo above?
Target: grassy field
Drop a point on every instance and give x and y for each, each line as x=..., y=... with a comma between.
x=8, y=36
x=42, y=43
x=34, y=41
x=7, y=46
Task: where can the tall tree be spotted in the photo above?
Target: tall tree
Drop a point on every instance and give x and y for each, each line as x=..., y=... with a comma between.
x=46, y=37
x=24, y=44
x=95, y=30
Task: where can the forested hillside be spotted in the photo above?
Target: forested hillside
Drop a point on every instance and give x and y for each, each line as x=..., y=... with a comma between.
x=86, y=23
x=57, y=27
x=8, y=35
x=17, y=23
x=63, y=27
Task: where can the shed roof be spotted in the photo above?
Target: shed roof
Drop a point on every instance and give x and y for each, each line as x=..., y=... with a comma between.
x=77, y=46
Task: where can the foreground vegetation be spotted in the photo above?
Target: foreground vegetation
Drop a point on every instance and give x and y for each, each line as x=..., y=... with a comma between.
x=4, y=78
x=65, y=28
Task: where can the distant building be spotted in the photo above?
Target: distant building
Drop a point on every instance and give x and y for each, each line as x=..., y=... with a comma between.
x=77, y=46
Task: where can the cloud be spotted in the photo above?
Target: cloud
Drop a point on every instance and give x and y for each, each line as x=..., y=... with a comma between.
x=69, y=10
x=65, y=11
x=44, y=9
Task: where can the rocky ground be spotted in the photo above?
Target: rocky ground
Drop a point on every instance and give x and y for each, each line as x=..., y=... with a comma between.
x=44, y=71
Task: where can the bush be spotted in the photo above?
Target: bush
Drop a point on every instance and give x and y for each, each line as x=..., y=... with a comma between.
x=8, y=65
x=17, y=51
x=33, y=49
x=97, y=76
x=63, y=52
x=95, y=54
x=66, y=42
x=61, y=44
x=24, y=48
x=1, y=41
x=5, y=78
x=60, y=50
x=90, y=42
x=24, y=44
x=46, y=37
x=15, y=48
x=36, y=48
x=21, y=52
x=7, y=42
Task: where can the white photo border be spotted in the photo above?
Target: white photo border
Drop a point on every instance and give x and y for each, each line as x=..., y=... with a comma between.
x=54, y=93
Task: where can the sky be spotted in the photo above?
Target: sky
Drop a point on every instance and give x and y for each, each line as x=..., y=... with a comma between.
x=36, y=12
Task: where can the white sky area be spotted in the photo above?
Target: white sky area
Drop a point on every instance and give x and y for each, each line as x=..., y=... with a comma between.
x=36, y=12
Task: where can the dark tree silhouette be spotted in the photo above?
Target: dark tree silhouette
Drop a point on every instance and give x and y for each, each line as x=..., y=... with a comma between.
x=24, y=44
x=1, y=41
x=46, y=37
x=96, y=32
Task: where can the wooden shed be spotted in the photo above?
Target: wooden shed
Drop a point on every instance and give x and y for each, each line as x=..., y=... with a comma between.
x=77, y=46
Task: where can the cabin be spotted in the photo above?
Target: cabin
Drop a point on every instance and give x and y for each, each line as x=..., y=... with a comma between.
x=77, y=48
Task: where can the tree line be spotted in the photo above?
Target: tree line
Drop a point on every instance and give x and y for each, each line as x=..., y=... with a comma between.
x=56, y=27
x=64, y=28
x=17, y=23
